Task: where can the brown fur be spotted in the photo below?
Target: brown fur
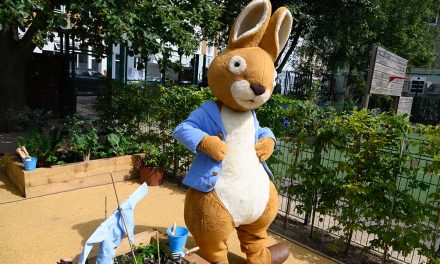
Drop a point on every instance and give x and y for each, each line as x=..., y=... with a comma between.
x=211, y=225
x=264, y=148
x=214, y=147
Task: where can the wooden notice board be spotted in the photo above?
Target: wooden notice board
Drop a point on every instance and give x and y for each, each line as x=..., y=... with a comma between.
x=386, y=74
x=405, y=105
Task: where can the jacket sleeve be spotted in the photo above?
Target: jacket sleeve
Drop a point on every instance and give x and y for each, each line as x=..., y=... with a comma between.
x=190, y=132
x=265, y=132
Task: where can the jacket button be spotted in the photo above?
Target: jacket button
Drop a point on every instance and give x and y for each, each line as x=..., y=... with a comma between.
x=220, y=135
x=209, y=185
x=215, y=173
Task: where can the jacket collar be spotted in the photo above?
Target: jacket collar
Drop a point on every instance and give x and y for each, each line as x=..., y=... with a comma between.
x=213, y=112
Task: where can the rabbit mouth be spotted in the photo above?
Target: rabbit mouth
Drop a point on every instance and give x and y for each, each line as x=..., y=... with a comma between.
x=249, y=96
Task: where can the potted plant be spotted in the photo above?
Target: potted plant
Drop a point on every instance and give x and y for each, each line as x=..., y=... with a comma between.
x=151, y=166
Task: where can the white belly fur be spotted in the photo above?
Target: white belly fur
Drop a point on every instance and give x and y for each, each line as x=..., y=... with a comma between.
x=243, y=183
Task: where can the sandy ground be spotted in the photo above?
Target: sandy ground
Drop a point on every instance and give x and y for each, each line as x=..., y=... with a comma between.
x=47, y=228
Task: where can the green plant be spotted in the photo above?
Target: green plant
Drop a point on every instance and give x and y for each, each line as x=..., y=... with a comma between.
x=119, y=144
x=35, y=119
x=81, y=139
x=148, y=252
x=42, y=146
x=122, y=106
x=86, y=143
x=309, y=129
x=431, y=148
x=154, y=157
x=426, y=110
x=376, y=154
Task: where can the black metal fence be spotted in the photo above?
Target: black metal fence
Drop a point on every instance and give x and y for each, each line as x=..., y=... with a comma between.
x=325, y=222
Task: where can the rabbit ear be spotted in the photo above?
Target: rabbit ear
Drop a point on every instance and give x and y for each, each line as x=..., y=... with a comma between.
x=249, y=26
x=277, y=32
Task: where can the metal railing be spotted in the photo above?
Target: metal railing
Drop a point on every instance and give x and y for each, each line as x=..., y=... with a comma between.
x=325, y=222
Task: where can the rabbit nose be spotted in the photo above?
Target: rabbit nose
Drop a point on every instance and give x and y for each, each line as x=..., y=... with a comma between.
x=257, y=89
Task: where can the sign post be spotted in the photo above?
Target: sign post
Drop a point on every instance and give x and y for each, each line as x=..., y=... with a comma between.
x=385, y=76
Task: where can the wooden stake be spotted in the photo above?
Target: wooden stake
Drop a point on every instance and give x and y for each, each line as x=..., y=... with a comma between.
x=123, y=219
x=173, y=230
x=157, y=242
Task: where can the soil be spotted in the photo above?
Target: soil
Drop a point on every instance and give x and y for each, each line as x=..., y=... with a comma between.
x=323, y=242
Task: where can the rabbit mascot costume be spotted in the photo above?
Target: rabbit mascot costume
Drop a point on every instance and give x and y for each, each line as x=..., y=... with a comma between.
x=230, y=183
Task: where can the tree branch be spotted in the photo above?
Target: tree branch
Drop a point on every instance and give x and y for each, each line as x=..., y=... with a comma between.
x=39, y=22
x=298, y=32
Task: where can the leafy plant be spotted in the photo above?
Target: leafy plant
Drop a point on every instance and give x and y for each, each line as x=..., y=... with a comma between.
x=120, y=144
x=376, y=154
x=154, y=157
x=86, y=144
x=43, y=146
x=431, y=148
x=81, y=139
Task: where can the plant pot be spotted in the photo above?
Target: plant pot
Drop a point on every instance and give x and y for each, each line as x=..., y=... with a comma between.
x=153, y=176
x=31, y=164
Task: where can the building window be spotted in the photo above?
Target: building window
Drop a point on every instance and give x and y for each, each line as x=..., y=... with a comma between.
x=417, y=86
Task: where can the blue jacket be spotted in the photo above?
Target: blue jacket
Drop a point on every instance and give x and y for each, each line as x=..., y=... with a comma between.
x=110, y=233
x=206, y=120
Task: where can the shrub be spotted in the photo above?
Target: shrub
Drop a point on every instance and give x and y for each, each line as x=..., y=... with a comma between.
x=426, y=110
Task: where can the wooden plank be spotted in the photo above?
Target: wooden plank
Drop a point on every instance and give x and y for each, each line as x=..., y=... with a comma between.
x=386, y=88
x=391, y=56
x=73, y=184
x=59, y=174
x=391, y=64
x=385, y=64
x=14, y=172
x=386, y=77
x=379, y=68
x=67, y=177
x=405, y=105
x=93, y=167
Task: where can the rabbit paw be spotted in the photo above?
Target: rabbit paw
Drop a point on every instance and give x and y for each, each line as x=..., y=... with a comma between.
x=213, y=147
x=264, y=148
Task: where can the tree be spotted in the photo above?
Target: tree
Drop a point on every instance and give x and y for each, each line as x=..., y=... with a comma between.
x=145, y=27
x=346, y=39
x=342, y=32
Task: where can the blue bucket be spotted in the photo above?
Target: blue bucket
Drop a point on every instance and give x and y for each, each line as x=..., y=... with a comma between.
x=178, y=241
x=30, y=165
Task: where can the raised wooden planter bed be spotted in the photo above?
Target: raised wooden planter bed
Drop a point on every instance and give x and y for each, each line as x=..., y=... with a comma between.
x=69, y=176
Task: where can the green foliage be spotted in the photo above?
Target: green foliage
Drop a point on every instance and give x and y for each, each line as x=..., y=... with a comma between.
x=147, y=252
x=154, y=157
x=81, y=140
x=43, y=146
x=120, y=144
x=431, y=148
x=426, y=110
x=122, y=106
x=383, y=102
x=100, y=23
x=376, y=154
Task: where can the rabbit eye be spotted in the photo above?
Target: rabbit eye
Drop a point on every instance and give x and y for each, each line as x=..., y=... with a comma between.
x=237, y=65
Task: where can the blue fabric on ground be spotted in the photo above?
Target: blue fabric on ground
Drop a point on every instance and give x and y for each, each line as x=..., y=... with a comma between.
x=110, y=233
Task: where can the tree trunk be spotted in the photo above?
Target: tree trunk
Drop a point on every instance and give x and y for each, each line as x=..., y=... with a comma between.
x=13, y=58
x=12, y=81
